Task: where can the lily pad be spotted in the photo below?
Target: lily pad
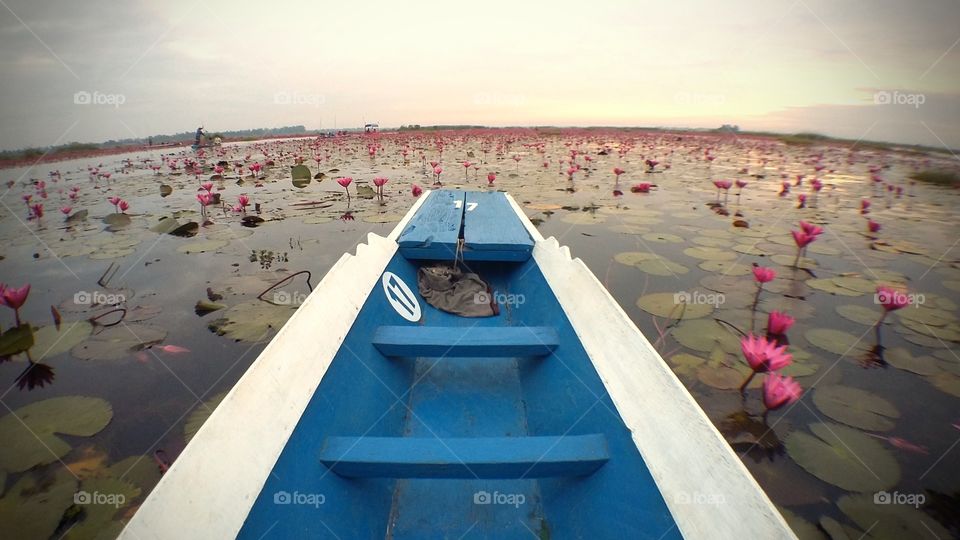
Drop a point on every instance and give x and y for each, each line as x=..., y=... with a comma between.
x=117, y=220
x=34, y=505
x=365, y=192
x=30, y=431
x=710, y=253
x=726, y=268
x=660, y=237
x=947, y=382
x=686, y=364
x=141, y=471
x=844, y=457
x=890, y=521
x=301, y=175
x=118, y=342
x=859, y=314
x=801, y=527
x=787, y=260
x=16, y=340
x=200, y=415
x=672, y=306
x=704, y=335
x=49, y=342
x=251, y=322
x=856, y=407
x=901, y=358
x=835, y=341
x=112, y=494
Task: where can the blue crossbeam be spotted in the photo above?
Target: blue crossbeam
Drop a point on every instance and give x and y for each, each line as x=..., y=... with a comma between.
x=461, y=342
x=492, y=231
x=484, y=457
x=434, y=230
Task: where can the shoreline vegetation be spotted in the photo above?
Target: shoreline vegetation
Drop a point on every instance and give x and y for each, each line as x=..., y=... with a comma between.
x=76, y=150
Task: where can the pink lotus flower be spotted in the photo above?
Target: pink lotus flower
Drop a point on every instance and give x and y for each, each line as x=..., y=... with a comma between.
x=123, y=205
x=207, y=186
x=14, y=298
x=763, y=274
x=764, y=355
x=817, y=184
x=491, y=177
x=617, y=171
x=204, y=198
x=113, y=200
x=243, y=201
x=779, y=391
x=416, y=190
x=891, y=299
x=37, y=210
x=786, y=189
x=741, y=184
x=864, y=206
x=801, y=201
x=218, y=169
x=810, y=228
x=66, y=210
x=778, y=323
x=802, y=239
x=873, y=226
x=379, y=181
x=642, y=187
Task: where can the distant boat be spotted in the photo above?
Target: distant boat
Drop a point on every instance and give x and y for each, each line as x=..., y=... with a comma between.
x=373, y=414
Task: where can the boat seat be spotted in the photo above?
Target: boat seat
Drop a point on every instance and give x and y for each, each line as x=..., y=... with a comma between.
x=482, y=457
x=461, y=342
x=484, y=222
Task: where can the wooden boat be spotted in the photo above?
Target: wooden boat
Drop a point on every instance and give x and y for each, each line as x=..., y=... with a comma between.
x=373, y=414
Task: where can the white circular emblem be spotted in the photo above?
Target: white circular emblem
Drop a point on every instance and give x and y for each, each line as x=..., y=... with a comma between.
x=401, y=297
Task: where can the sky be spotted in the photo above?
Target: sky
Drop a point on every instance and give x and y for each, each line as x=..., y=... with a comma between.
x=105, y=69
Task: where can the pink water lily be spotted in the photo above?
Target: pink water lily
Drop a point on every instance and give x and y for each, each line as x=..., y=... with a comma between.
x=416, y=190
x=642, y=187
x=764, y=355
x=66, y=210
x=207, y=186
x=873, y=226
x=491, y=178
x=811, y=229
x=778, y=323
x=14, y=298
x=243, y=201
x=763, y=274
x=123, y=205
x=345, y=182
x=779, y=391
x=379, y=182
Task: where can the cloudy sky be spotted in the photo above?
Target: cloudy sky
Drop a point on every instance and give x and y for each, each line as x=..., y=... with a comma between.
x=873, y=69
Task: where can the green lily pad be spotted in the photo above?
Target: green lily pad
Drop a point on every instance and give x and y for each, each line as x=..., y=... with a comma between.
x=946, y=382
x=710, y=241
x=726, y=371
x=106, y=496
x=79, y=215
x=30, y=431
x=117, y=220
x=710, y=253
x=855, y=407
x=672, y=306
x=832, y=287
x=750, y=249
x=200, y=415
x=49, y=342
x=726, y=268
x=835, y=341
x=927, y=316
x=166, y=225
x=140, y=471
x=16, y=340
x=633, y=258
x=365, y=192
x=801, y=527
x=685, y=364
x=118, y=342
x=740, y=428
x=661, y=267
x=890, y=521
x=704, y=335
x=202, y=246
x=186, y=230
x=788, y=260
x=34, y=505
x=901, y=358
x=662, y=238
x=844, y=457
x=251, y=322
x=947, y=361
x=301, y=175
x=859, y=314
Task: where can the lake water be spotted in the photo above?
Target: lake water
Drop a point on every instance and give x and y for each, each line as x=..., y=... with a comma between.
x=104, y=407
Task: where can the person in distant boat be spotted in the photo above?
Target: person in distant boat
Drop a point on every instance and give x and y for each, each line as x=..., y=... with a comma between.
x=200, y=134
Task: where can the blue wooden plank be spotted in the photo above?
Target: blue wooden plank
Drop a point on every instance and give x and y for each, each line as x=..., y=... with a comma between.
x=458, y=342
x=492, y=231
x=434, y=230
x=480, y=457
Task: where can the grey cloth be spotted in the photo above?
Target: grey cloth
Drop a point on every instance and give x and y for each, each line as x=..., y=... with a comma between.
x=454, y=291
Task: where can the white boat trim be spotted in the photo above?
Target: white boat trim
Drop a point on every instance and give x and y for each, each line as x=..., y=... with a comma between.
x=212, y=486
x=688, y=458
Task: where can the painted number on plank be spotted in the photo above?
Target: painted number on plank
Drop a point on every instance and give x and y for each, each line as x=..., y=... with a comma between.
x=470, y=205
x=401, y=297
